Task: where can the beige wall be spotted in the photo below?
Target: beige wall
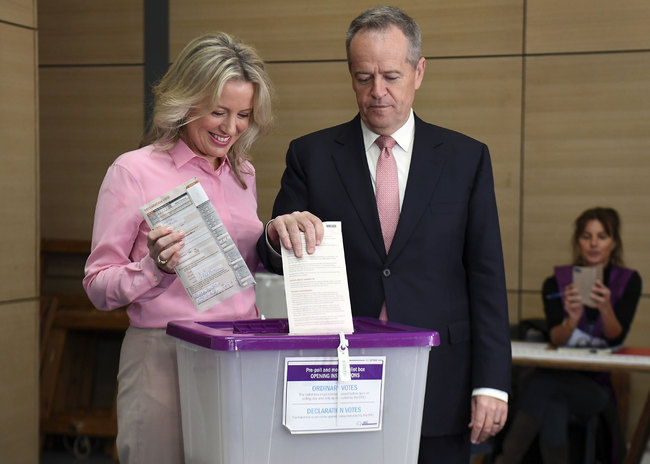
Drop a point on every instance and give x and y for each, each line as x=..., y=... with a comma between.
x=92, y=91
x=560, y=92
x=20, y=222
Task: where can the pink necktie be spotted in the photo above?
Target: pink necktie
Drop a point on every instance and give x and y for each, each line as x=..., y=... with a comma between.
x=387, y=189
x=387, y=196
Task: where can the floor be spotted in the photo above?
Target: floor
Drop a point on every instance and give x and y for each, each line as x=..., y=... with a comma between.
x=93, y=453
x=70, y=451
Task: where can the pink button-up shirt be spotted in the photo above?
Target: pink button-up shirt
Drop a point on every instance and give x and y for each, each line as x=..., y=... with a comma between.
x=119, y=270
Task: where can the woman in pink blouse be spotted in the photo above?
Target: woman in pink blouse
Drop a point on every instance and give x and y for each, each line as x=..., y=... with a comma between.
x=213, y=103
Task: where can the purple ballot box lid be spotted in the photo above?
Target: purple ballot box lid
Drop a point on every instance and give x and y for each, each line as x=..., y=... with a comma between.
x=273, y=334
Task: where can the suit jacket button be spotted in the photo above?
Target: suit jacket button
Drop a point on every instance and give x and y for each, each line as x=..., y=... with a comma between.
x=386, y=272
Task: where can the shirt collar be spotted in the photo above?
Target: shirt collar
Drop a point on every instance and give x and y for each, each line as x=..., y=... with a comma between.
x=181, y=154
x=403, y=136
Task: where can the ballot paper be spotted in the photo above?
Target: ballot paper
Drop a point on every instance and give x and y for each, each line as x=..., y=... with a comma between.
x=584, y=279
x=210, y=268
x=316, y=286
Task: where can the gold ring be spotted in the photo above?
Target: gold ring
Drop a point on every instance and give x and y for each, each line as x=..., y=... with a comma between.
x=161, y=262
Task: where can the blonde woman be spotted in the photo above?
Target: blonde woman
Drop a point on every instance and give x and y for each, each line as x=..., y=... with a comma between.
x=213, y=103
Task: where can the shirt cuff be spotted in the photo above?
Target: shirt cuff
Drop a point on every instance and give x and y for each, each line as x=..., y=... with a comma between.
x=498, y=394
x=156, y=277
x=274, y=256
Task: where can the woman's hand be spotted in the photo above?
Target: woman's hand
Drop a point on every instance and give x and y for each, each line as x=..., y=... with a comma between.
x=573, y=303
x=561, y=333
x=164, y=247
x=601, y=295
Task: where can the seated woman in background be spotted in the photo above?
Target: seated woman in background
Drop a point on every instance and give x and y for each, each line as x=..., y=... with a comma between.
x=553, y=396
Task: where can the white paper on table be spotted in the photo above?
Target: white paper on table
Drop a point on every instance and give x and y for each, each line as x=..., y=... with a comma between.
x=211, y=268
x=580, y=338
x=316, y=286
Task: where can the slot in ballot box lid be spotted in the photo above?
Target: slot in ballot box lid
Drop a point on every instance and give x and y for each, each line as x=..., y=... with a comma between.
x=273, y=334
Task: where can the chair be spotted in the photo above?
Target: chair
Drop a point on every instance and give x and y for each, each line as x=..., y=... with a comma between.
x=535, y=329
x=74, y=402
x=590, y=429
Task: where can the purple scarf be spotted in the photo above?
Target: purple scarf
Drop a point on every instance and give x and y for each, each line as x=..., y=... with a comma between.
x=618, y=279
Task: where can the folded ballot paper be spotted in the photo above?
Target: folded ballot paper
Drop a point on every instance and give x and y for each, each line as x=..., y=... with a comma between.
x=211, y=268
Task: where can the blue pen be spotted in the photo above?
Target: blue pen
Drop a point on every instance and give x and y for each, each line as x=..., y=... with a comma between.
x=552, y=296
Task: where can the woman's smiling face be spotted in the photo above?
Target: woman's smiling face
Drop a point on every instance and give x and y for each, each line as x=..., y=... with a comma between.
x=212, y=135
x=596, y=245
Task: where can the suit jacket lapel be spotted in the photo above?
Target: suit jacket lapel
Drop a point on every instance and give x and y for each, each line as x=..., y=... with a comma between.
x=427, y=162
x=351, y=163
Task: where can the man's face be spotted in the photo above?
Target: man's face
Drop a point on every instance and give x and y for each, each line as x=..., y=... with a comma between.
x=384, y=82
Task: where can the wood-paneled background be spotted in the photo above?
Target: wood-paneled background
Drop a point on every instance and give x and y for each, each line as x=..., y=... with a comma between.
x=20, y=221
x=560, y=92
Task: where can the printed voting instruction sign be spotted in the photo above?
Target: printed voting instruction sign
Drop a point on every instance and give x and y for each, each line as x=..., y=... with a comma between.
x=316, y=402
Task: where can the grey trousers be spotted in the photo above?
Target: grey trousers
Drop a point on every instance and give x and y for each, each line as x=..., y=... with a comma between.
x=148, y=401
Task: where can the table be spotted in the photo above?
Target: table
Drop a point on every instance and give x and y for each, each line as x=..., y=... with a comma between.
x=541, y=355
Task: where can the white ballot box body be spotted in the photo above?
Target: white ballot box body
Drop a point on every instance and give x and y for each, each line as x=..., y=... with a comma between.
x=269, y=295
x=233, y=393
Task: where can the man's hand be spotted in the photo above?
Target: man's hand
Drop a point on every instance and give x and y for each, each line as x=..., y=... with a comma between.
x=286, y=229
x=489, y=415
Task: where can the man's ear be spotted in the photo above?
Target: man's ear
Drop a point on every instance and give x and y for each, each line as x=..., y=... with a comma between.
x=419, y=72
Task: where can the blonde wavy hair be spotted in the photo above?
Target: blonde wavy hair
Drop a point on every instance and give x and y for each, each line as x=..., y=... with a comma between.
x=194, y=82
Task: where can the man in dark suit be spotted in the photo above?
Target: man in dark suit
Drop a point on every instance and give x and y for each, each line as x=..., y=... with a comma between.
x=443, y=269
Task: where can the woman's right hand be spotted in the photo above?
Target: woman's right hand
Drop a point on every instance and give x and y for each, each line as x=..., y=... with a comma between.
x=164, y=247
x=561, y=333
x=573, y=303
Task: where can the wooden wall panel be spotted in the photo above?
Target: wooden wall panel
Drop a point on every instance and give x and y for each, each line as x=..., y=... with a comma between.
x=531, y=303
x=89, y=116
x=288, y=30
x=18, y=12
x=82, y=32
x=19, y=388
x=586, y=144
x=555, y=26
x=469, y=27
x=639, y=387
x=638, y=336
x=481, y=97
x=18, y=175
x=513, y=304
x=19, y=206
x=309, y=97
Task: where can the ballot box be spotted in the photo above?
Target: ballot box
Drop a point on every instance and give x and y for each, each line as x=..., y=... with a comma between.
x=269, y=294
x=253, y=393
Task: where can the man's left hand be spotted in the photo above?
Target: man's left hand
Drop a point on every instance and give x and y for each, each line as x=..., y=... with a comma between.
x=489, y=415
